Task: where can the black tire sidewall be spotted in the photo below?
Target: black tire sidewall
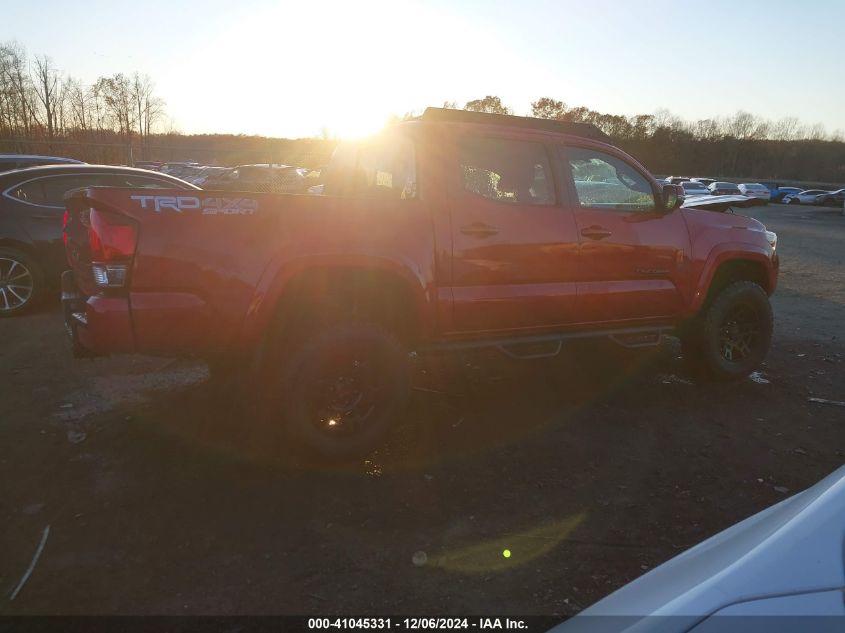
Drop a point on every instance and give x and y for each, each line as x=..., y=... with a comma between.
x=709, y=346
x=37, y=280
x=304, y=363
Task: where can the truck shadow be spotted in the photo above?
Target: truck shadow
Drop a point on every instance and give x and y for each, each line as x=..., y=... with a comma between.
x=460, y=406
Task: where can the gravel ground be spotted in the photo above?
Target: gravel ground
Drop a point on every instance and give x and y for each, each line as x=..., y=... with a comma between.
x=162, y=497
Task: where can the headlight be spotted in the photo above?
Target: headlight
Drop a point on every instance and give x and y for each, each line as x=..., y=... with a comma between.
x=772, y=237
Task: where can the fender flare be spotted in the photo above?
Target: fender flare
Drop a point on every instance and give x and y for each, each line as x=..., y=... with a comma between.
x=276, y=280
x=728, y=252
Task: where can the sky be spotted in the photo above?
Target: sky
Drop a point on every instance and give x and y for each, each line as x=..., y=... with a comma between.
x=295, y=69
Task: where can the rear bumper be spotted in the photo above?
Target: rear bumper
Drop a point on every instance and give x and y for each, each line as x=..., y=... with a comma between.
x=96, y=326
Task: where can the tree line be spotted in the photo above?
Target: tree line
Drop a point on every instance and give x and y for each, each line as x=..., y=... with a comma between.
x=40, y=104
x=738, y=145
x=120, y=119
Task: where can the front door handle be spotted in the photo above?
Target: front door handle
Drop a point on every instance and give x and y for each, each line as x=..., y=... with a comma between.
x=479, y=229
x=596, y=232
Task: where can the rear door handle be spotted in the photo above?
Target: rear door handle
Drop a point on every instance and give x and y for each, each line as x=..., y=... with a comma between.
x=479, y=229
x=596, y=232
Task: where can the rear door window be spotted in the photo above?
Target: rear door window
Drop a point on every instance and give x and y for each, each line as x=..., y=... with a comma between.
x=506, y=170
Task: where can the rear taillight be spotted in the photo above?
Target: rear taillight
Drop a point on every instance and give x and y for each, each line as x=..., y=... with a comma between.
x=65, y=220
x=111, y=241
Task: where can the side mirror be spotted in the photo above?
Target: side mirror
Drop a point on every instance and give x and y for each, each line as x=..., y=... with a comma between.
x=671, y=198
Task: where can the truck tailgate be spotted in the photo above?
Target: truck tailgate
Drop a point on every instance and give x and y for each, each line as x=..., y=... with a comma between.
x=195, y=263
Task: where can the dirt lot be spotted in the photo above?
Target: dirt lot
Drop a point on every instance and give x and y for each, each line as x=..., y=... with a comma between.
x=162, y=498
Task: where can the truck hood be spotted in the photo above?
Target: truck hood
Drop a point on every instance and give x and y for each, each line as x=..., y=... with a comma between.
x=794, y=547
x=720, y=203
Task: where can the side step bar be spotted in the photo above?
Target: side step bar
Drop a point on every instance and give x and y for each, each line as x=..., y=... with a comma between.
x=548, y=345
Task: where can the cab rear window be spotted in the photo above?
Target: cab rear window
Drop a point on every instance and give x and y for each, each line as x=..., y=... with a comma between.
x=383, y=167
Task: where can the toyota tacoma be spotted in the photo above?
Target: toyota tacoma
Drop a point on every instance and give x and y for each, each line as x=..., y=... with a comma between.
x=456, y=230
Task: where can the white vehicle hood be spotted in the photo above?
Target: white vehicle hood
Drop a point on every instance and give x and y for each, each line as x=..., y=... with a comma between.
x=790, y=549
x=718, y=203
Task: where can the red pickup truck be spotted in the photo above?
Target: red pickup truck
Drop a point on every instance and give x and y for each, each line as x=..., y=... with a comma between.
x=451, y=231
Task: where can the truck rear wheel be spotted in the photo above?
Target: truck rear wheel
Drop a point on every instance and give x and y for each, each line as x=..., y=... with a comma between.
x=344, y=389
x=732, y=335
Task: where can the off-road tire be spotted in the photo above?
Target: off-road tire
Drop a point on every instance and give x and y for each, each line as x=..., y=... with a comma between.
x=370, y=350
x=707, y=341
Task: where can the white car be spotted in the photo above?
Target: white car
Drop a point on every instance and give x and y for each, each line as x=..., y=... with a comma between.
x=803, y=197
x=784, y=561
x=755, y=190
x=692, y=189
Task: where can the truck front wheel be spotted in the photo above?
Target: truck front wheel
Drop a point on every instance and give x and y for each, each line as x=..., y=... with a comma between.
x=344, y=389
x=732, y=335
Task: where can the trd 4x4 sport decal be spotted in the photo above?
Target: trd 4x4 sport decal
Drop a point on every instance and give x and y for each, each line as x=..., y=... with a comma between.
x=209, y=206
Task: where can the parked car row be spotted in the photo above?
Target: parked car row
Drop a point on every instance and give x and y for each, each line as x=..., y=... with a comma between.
x=766, y=191
x=711, y=187
x=260, y=177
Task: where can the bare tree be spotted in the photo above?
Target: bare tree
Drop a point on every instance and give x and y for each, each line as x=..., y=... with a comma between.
x=148, y=107
x=48, y=90
x=547, y=108
x=662, y=118
x=784, y=129
x=117, y=96
x=79, y=104
x=489, y=104
x=762, y=128
x=18, y=89
x=817, y=132
x=642, y=125
x=741, y=125
x=706, y=129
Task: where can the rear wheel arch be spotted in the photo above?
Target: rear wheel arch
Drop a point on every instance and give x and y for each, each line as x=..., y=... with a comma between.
x=329, y=294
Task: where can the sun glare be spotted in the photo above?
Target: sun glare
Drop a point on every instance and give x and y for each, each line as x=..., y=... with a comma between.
x=342, y=73
x=356, y=124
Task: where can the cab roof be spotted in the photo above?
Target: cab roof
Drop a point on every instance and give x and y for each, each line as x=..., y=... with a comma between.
x=448, y=115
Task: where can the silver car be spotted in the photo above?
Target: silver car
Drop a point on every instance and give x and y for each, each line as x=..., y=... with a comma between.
x=803, y=197
x=692, y=189
x=755, y=190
